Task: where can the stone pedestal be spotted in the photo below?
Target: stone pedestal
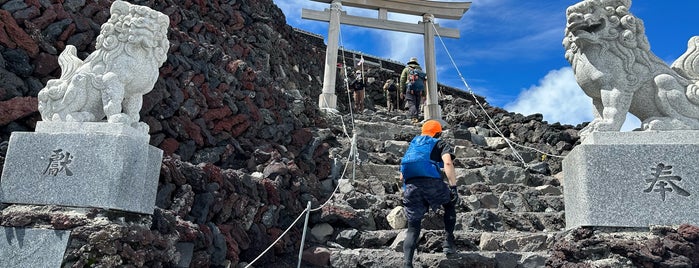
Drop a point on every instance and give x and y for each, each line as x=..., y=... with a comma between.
x=327, y=101
x=28, y=247
x=633, y=179
x=99, y=165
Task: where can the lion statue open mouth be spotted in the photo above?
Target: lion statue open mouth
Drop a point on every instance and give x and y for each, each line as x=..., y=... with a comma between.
x=607, y=47
x=111, y=82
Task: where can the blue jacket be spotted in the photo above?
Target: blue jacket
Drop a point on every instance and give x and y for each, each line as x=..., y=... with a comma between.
x=417, y=163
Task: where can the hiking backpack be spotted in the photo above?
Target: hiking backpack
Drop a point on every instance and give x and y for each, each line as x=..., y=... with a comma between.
x=416, y=80
x=417, y=163
x=391, y=88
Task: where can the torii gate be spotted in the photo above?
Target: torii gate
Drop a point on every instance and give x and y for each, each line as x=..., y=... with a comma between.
x=429, y=10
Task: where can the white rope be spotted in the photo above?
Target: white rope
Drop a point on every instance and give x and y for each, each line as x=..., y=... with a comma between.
x=494, y=126
x=353, y=156
x=275, y=241
x=350, y=157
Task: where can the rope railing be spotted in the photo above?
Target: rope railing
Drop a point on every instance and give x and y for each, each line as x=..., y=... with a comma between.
x=493, y=125
x=353, y=157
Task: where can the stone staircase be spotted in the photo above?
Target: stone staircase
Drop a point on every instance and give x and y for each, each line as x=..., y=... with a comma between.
x=510, y=214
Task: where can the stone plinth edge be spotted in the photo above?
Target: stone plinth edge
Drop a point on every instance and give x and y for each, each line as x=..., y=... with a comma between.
x=81, y=169
x=633, y=179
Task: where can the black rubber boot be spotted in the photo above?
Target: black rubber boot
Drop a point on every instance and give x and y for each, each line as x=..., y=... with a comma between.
x=409, y=246
x=448, y=246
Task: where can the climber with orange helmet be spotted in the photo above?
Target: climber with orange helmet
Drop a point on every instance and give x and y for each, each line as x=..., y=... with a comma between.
x=424, y=187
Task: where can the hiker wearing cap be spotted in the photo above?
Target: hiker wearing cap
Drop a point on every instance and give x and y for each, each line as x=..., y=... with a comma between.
x=424, y=187
x=357, y=86
x=391, y=94
x=412, y=85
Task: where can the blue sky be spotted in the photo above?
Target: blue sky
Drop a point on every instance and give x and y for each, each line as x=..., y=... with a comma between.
x=510, y=50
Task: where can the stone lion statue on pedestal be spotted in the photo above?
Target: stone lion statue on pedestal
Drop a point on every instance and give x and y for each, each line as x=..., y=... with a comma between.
x=611, y=58
x=110, y=82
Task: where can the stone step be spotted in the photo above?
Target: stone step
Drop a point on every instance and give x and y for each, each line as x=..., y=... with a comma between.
x=512, y=201
x=516, y=198
x=497, y=179
x=512, y=241
x=371, y=258
x=500, y=220
x=431, y=240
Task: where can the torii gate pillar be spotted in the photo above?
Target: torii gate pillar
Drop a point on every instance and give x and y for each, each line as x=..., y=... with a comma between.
x=432, y=110
x=328, y=99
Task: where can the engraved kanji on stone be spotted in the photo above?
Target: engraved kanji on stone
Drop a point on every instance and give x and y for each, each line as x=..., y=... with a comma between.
x=663, y=181
x=58, y=162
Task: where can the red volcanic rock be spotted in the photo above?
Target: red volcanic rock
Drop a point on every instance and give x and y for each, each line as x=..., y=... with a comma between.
x=239, y=21
x=26, y=14
x=64, y=222
x=213, y=173
x=33, y=3
x=45, y=19
x=689, y=232
x=169, y=146
x=217, y=114
x=192, y=129
x=318, y=256
x=240, y=128
x=232, y=248
x=17, y=108
x=236, y=125
x=45, y=64
x=272, y=192
x=17, y=34
x=301, y=137
x=214, y=97
x=68, y=32
x=4, y=38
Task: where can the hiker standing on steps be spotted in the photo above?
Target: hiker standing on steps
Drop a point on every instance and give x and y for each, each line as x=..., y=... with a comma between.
x=390, y=92
x=412, y=84
x=358, y=87
x=425, y=188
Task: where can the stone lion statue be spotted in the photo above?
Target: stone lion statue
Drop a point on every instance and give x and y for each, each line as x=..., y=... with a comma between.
x=607, y=47
x=110, y=82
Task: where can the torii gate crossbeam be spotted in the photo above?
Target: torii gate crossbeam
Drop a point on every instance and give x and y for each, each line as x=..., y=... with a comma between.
x=442, y=10
x=429, y=10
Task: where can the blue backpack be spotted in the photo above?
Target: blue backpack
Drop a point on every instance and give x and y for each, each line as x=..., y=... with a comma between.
x=417, y=163
x=416, y=80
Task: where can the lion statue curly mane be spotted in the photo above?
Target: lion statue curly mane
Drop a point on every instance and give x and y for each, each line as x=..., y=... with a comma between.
x=110, y=82
x=610, y=55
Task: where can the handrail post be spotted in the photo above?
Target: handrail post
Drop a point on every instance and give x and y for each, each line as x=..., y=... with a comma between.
x=303, y=237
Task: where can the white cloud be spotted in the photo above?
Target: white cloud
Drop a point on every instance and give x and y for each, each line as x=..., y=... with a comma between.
x=559, y=99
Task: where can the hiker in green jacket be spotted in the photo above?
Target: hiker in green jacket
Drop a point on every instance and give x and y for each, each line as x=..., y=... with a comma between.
x=412, y=84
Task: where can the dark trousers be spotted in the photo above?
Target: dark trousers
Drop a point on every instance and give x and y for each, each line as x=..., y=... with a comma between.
x=392, y=100
x=420, y=195
x=413, y=100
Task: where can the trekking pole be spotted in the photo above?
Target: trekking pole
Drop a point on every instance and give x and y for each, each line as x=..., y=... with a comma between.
x=303, y=237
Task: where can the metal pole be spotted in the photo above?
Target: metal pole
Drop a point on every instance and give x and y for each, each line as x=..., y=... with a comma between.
x=355, y=154
x=303, y=238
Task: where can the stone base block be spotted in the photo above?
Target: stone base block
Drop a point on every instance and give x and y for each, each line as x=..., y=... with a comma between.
x=327, y=100
x=633, y=179
x=27, y=247
x=106, y=169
